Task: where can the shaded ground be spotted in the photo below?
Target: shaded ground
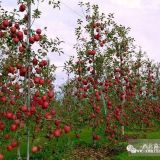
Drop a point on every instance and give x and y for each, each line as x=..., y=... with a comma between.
x=96, y=153
x=90, y=153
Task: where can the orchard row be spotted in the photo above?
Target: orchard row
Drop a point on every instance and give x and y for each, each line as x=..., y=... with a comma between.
x=114, y=87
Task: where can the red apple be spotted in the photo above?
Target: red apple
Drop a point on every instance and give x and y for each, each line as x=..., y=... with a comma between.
x=5, y=23
x=31, y=40
x=91, y=52
x=35, y=149
x=13, y=29
x=36, y=37
x=21, y=49
x=57, y=133
x=9, y=148
x=13, y=127
x=1, y=156
x=67, y=129
x=22, y=8
x=38, y=31
x=14, y=144
x=16, y=40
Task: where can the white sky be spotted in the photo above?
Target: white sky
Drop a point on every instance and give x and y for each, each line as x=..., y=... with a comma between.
x=142, y=16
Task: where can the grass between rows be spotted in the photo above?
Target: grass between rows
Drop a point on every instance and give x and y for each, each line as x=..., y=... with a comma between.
x=63, y=148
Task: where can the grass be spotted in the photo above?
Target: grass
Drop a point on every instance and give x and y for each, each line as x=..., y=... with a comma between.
x=148, y=135
x=63, y=148
x=126, y=156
